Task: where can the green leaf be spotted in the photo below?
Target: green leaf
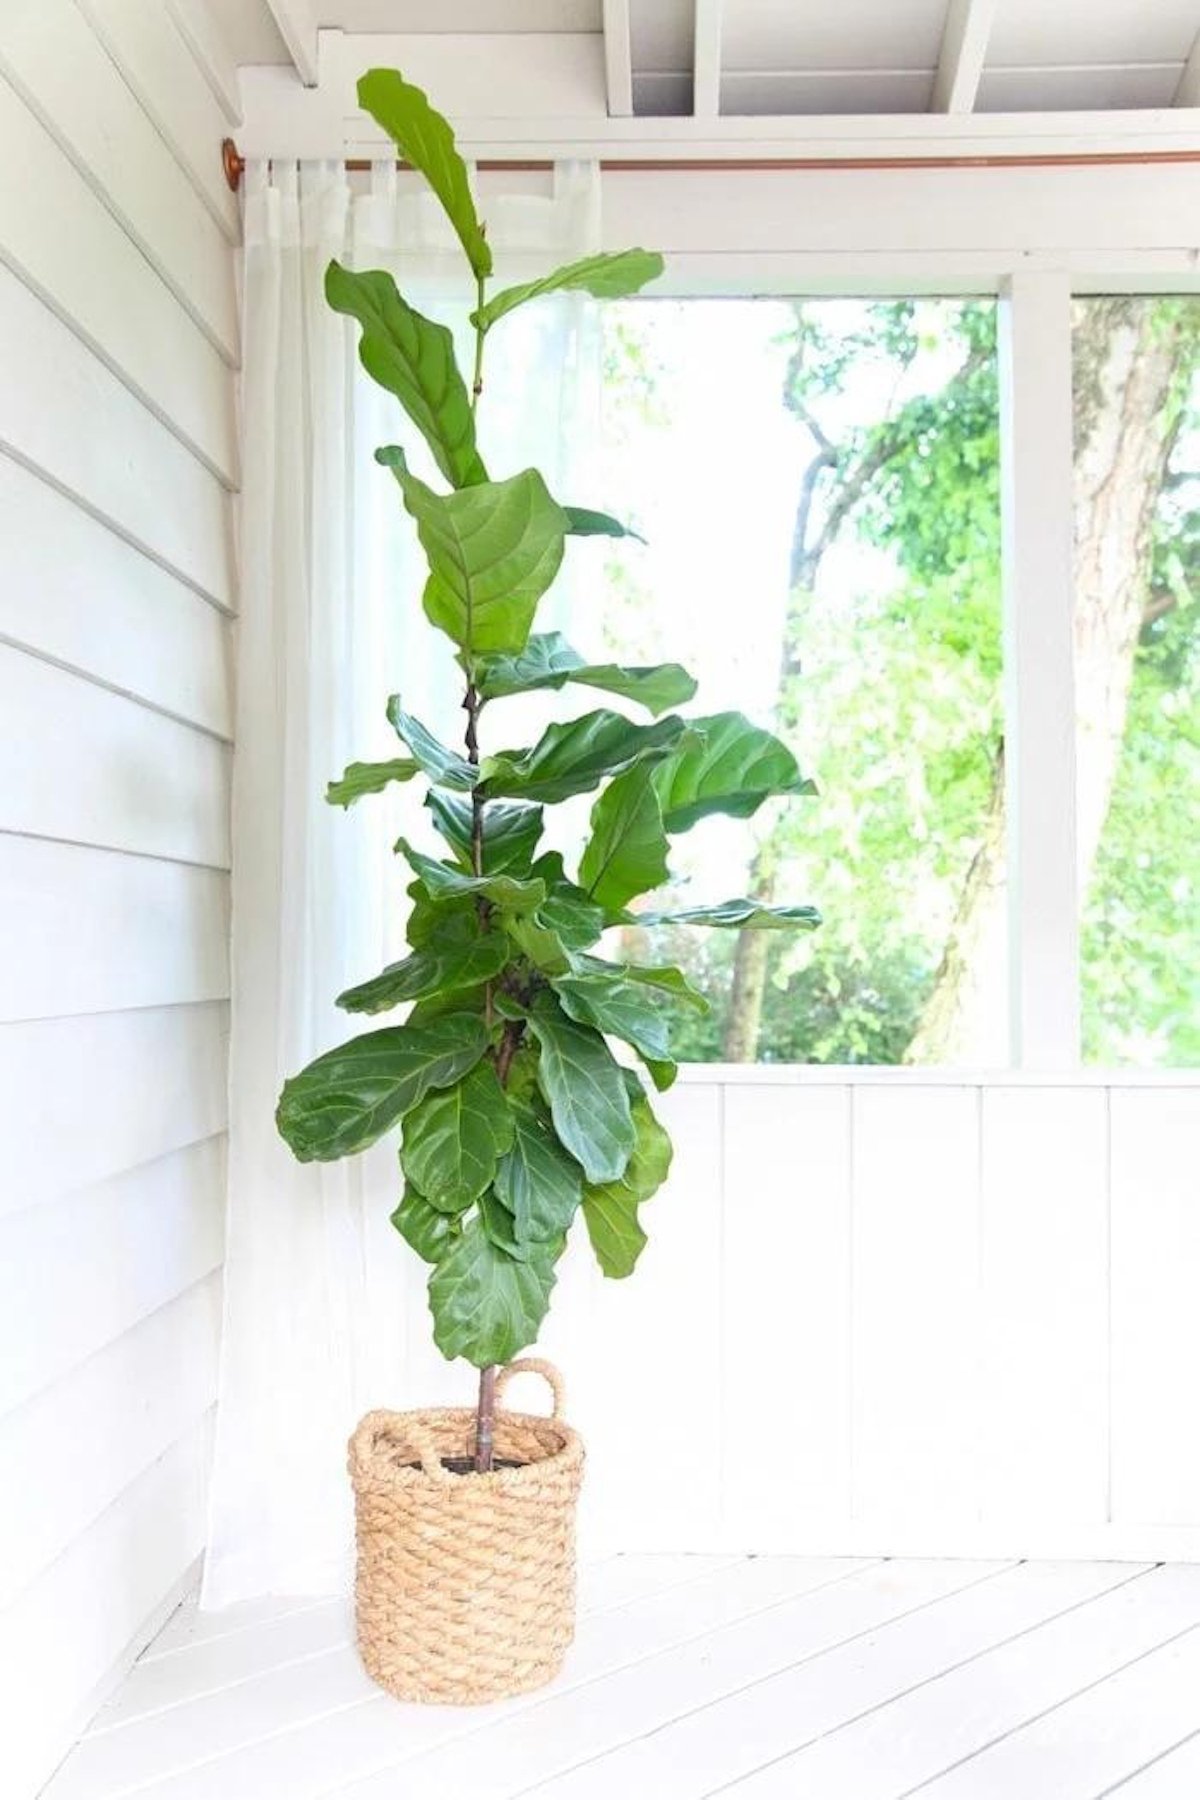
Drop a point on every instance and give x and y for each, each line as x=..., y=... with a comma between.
x=369, y=778
x=446, y=923
x=351, y=1095
x=487, y=1306
x=429, y=972
x=671, y=982
x=582, y=521
x=426, y=141
x=612, y=275
x=454, y=1138
x=622, y=1009
x=444, y=882
x=439, y=764
x=610, y=1211
x=413, y=358
x=492, y=549
x=537, y=1181
x=567, y=910
x=627, y=851
x=548, y=661
x=583, y=1087
x=727, y=765
x=569, y=759
x=510, y=833
x=739, y=914
x=500, y=1226
x=429, y=1232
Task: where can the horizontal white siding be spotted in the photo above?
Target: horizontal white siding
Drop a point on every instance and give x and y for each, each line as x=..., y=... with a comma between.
x=907, y=1313
x=117, y=460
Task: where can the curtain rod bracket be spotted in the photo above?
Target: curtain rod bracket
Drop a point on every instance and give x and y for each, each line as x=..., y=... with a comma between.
x=233, y=163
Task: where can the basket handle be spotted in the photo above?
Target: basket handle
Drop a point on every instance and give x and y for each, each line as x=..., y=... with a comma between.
x=368, y=1430
x=534, y=1365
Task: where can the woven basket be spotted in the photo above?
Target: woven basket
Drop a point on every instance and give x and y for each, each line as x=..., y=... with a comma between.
x=465, y=1589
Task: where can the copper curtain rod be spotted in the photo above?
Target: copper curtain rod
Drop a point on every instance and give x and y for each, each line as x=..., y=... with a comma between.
x=235, y=163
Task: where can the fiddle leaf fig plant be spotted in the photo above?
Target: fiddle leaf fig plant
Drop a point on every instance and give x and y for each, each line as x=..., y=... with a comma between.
x=513, y=1076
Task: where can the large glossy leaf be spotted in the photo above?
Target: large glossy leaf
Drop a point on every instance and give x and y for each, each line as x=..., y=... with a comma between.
x=492, y=549
x=620, y=1008
x=426, y=1230
x=583, y=521
x=537, y=1181
x=510, y=832
x=565, y=922
x=413, y=358
x=738, y=914
x=444, y=923
x=426, y=141
x=444, y=766
x=672, y=983
x=610, y=1210
x=571, y=758
x=611, y=275
x=429, y=972
x=627, y=851
x=486, y=1305
x=584, y=1090
x=454, y=1138
x=548, y=661
x=350, y=1096
x=369, y=778
x=726, y=765
x=508, y=892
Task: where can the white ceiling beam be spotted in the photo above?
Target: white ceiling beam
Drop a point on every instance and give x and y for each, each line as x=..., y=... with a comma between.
x=960, y=60
x=706, y=60
x=618, y=59
x=1188, y=91
x=297, y=22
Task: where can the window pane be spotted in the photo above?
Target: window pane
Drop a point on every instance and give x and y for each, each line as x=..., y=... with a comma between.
x=1137, y=674
x=818, y=485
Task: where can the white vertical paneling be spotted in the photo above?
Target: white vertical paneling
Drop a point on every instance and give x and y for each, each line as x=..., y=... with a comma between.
x=1155, y=1314
x=83, y=1098
x=154, y=1231
x=91, y=1611
x=69, y=1453
x=99, y=931
x=1043, y=1400
x=133, y=321
x=916, y=1326
x=146, y=784
x=651, y=1392
x=79, y=595
x=62, y=410
x=785, y=1266
x=54, y=59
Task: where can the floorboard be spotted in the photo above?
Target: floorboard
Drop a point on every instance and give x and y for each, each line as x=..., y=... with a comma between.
x=694, y=1676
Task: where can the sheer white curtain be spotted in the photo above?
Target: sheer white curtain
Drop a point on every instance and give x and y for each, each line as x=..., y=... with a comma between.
x=325, y=1313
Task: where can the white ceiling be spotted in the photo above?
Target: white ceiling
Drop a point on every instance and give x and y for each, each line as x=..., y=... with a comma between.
x=798, y=56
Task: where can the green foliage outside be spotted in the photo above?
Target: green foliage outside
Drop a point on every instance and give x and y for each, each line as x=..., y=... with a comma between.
x=890, y=689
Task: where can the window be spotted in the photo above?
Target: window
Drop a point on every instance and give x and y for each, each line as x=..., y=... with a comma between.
x=819, y=484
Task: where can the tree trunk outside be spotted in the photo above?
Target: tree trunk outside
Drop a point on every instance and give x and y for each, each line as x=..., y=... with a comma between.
x=1126, y=363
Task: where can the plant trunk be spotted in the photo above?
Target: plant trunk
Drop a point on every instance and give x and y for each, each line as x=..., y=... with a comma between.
x=1127, y=357
x=485, y=1419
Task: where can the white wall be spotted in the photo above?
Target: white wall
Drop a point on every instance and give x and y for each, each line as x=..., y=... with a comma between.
x=900, y=1312
x=117, y=458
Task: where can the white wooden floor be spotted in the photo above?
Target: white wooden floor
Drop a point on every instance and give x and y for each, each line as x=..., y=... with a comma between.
x=691, y=1676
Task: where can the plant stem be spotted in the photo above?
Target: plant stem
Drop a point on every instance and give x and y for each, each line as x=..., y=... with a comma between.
x=485, y=1412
